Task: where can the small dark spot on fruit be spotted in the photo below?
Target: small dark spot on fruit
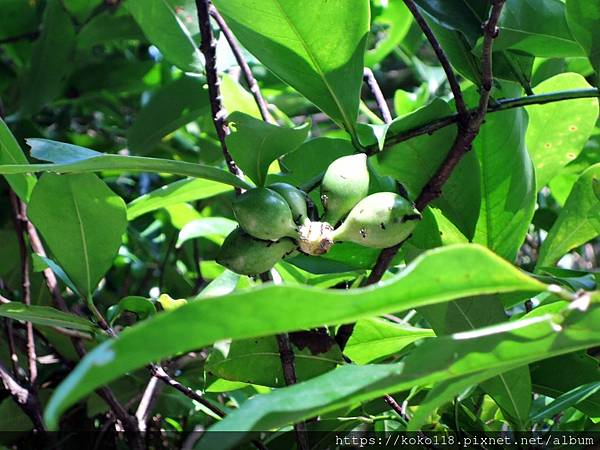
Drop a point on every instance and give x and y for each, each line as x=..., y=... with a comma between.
x=382, y=225
x=363, y=233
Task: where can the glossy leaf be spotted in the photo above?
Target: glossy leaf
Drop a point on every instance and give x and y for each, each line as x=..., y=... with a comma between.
x=435, y=277
x=566, y=400
x=187, y=190
x=583, y=18
x=45, y=315
x=397, y=19
x=537, y=27
x=507, y=183
x=11, y=153
x=163, y=28
x=82, y=207
x=491, y=351
x=172, y=107
x=255, y=144
x=578, y=222
x=414, y=161
x=373, y=339
x=316, y=47
x=51, y=60
x=557, y=132
x=214, y=228
x=71, y=158
x=257, y=361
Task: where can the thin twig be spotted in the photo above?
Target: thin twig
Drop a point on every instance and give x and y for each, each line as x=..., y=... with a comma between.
x=19, y=221
x=23, y=397
x=498, y=106
x=245, y=68
x=21, y=37
x=208, y=47
x=10, y=338
x=441, y=56
x=371, y=81
x=462, y=144
x=162, y=375
x=147, y=401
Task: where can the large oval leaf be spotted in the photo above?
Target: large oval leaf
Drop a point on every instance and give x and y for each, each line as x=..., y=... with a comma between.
x=437, y=276
x=82, y=222
x=11, y=153
x=558, y=131
x=477, y=355
x=72, y=158
x=317, y=47
x=578, y=222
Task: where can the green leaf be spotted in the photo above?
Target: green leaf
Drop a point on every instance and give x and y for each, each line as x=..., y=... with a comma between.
x=257, y=361
x=583, y=18
x=108, y=27
x=491, y=350
x=558, y=131
x=435, y=277
x=555, y=376
x=45, y=315
x=236, y=98
x=396, y=19
x=255, y=144
x=11, y=153
x=82, y=222
x=313, y=157
x=578, y=222
x=507, y=183
x=187, y=190
x=141, y=306
x=214, y=228
x=170, y=304
x=50, y=61
x=316, y=47
x=414, y=161
x=565, y=401
x=71, y=158
x=172, y=107
x=536, y=27
x=163, y=28
x=373, y=339
x=18, y=17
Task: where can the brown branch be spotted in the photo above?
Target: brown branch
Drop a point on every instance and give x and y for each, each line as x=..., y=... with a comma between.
x=162, y=375
x=208, y=47
x=441, y=56
x=19, y=223
x=144, y=408
x=462, y=144
x=246, y=71
x=286, y=354
x=10, y=338
x=371, y=81
x=25, y=399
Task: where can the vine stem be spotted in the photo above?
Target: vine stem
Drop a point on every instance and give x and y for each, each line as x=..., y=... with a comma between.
x=461, y=145
x=208, y=47
x=463, y=114
x=262, y=104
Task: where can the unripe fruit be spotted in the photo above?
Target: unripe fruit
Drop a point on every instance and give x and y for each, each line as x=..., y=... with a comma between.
x=246, y=255
x=264, y=214
x=345, y=183
x=379, y=221
x=295, y=198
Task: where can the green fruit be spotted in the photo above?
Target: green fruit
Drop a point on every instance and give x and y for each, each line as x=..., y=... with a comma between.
x=379, y=221
x=246, y=255
x=264, y=214
x=295, y=198
x=346, y=182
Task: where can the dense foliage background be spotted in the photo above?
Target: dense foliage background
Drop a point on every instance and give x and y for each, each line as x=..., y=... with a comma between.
x=483, y=112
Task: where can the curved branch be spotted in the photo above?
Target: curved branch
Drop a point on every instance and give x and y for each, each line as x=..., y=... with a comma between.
x=500, y=105
x=246, y=71
x=441, y=56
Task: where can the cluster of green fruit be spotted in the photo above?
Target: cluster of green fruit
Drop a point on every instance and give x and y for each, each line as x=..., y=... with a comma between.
x=274, y=221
